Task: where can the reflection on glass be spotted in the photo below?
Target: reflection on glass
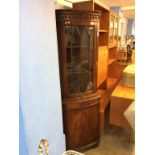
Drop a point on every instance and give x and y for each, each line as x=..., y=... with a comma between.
x=111, y=35
x=115, y=34
x=79, y=48
x=112, y=21
x=116, y=23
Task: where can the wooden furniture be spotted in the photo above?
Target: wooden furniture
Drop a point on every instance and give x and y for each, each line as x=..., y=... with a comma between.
x=121, y=55
x=77, y=39
x=108, y=40
x=105, y=100
x=103, y=32
x=121, y=99
x=113, y=43
x=108, y=72
x=113, y=30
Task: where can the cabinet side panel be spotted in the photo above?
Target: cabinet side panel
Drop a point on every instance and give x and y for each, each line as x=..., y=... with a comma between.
x=102, y=65
x=61, y=54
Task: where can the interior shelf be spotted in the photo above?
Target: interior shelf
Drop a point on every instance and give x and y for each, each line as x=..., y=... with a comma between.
x=111, y=85
x=112, y=45
x=102, y=31
x=103, y=46
x=110, y=61
x=123, y=91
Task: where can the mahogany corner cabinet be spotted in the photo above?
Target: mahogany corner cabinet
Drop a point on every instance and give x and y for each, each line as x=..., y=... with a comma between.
x=77, y=33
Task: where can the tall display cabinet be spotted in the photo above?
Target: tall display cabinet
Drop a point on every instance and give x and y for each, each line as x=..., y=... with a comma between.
x=77, y=33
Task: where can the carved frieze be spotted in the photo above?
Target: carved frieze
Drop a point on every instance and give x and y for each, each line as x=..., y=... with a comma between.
x=79, y=15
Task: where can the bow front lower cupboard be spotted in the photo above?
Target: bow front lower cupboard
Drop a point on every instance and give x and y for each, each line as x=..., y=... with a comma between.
x=77, y=33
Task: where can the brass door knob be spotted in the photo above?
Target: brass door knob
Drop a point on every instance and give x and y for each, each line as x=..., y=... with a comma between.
x=43, y=144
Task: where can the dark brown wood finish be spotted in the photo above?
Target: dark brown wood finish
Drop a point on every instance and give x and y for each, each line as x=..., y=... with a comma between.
x=70, y=17
x=81, y=123
x=81, y=108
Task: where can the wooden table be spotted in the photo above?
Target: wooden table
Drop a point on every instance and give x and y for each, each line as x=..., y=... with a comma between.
x=121, y=98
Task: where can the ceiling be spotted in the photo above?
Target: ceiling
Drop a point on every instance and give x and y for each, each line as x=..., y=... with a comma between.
x=129, y=14
x=127, y=6
x=111, y=3
x=118, y=3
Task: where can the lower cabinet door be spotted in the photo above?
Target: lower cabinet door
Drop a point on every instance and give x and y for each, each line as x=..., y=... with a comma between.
x=81, y=124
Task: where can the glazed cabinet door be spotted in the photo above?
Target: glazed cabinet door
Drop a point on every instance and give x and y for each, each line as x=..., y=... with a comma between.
x=77, y=38
x=79, y=58
x=113, y=30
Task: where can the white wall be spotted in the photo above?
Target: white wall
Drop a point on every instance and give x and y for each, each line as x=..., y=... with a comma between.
x=39, y=76
x=64, y=3
x=131, y=27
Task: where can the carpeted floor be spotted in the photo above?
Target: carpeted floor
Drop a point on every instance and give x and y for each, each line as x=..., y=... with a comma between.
x=116, y=141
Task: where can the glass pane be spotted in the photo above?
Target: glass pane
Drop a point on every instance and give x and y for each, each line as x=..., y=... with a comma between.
x=111, y=36
x=112, y=18
x=116, y=23
x=79, y=48
x=115, y=34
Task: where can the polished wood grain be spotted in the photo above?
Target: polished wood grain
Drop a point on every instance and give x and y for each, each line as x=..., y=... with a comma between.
x=117, y=108
x=102, y=65
x=102, y=31
x=80, y=109
x=103, y=39
x=123, y=91
x=104, y=103
x=81, y=123
x=121, y=99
